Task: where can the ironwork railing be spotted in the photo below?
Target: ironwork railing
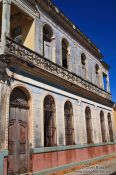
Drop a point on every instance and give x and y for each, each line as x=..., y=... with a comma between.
x=29, y=56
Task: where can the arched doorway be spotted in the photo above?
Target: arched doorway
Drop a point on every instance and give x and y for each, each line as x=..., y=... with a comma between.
x=18, y=133
x=88, y=125
x=49, y=122
x=110, y=128
x=103, y=128
x=69, y=127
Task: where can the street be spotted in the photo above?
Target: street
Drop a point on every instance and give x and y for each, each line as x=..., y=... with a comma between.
x=105, y=168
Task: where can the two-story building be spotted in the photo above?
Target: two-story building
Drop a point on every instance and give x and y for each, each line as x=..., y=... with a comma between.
x=55, y=102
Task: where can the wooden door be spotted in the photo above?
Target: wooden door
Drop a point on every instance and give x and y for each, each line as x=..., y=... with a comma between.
x=18, y=138
x=88, y=125
x=89, y=130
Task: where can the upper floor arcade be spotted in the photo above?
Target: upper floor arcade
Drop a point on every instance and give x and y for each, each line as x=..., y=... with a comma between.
x=37, y=33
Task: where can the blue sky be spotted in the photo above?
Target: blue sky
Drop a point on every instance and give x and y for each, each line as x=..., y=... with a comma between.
x=97, y=20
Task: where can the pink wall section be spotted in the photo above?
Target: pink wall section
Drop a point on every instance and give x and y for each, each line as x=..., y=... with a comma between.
x=44, y=161
x=5, y=166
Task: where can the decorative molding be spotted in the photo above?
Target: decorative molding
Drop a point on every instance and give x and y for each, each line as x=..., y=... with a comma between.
x=33, y=59
x=72, y=147
x=25, y=7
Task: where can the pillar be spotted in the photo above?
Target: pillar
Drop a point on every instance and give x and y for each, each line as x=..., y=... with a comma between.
x=108, y=84
x=5, y=21
x=3, y=102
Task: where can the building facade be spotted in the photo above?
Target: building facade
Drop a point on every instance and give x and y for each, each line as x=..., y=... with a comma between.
x=114, y=113
x=56, y=109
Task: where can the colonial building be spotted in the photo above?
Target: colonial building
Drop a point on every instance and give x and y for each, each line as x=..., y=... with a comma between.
x=55, y=102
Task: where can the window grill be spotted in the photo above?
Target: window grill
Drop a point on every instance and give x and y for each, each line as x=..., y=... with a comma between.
x=103, y=129
x=88, y=125
x=110, y=128
x=49, y=122
x=69, y=128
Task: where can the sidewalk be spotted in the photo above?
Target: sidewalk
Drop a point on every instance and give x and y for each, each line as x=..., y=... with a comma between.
x=104, y=168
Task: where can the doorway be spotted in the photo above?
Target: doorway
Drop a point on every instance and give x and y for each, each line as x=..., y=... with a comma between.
x=18, y=133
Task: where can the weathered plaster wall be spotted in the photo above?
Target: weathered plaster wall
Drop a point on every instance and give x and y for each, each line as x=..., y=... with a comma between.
x=38, y=91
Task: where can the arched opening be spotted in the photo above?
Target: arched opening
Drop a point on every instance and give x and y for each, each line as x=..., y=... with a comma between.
x=88, y=125
x=97, y=74
x=83, y=65
x=105, y=81
x=110, y=128
x=69, y=128
x=18, y=145
x=49, y=122
x=65, y=54
x=103, y=128
x=47, y=41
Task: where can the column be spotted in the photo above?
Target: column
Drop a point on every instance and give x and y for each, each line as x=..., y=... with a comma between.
x=5, y=21
x=108, y=84
x=38, y=36
x=60, y=121
x=58, y=48
x=37, y=119
x=3, y=105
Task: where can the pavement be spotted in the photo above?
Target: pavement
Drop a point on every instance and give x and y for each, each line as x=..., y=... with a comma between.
x=105, y=168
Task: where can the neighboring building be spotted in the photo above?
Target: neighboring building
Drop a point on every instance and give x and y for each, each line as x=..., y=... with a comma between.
x=55, y=101
x=114, y=113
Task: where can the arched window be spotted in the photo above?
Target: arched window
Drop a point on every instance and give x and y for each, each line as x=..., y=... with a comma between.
x=97, y=74
x=103, y=129
x=18, y=132
x=88, y=125
x=69, y=128
x=47, y=41
x=65, y=59
x=83, y=65
x=110, y=128
x=49, y=122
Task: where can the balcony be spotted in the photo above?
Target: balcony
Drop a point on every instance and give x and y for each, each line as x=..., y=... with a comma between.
x=22, y=26
x=29, y=57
